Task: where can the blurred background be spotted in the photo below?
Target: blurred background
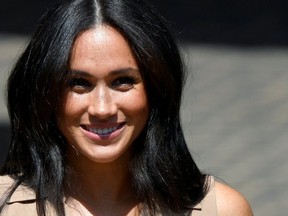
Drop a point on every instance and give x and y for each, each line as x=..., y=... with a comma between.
x=235, y=106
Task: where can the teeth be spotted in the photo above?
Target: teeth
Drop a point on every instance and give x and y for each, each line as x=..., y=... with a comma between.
x=102, y=131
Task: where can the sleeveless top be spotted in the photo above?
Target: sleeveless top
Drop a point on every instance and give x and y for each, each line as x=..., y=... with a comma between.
x=207, y=207
x=22, y=201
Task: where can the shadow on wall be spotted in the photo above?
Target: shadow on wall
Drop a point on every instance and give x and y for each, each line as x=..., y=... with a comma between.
x=254, y=22
x=20, y=17
x=241, y=23
x=5, y=140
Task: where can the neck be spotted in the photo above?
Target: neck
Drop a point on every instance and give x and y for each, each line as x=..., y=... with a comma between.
x=100, y=186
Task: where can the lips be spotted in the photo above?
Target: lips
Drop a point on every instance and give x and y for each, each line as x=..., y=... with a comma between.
x=103, y=131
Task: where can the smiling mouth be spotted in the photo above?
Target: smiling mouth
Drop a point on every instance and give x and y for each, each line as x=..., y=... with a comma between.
x=103, y=131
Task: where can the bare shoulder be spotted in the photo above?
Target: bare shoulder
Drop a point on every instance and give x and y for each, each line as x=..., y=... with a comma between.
x=231, y=202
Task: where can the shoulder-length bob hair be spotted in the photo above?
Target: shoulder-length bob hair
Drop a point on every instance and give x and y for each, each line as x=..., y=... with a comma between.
x=163, y=172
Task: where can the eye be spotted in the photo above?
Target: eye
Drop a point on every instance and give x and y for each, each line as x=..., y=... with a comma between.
x=79, y=84
x=124, y=83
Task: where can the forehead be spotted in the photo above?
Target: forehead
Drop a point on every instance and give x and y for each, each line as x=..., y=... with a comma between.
x=98, y=35
x=101, y=36
x=100, y=47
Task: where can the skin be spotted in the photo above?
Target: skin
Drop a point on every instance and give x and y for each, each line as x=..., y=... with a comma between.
x=104, y=110
x=231, y=202
x=105, y=92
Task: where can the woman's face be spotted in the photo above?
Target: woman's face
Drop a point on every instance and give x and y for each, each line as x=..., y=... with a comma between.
x=105, y=105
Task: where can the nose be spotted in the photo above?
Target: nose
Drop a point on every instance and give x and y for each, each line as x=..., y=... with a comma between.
x=101, y=103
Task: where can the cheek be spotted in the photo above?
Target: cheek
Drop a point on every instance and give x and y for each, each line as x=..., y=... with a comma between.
x=72, y=104
x=69, y=109
x=137, y=107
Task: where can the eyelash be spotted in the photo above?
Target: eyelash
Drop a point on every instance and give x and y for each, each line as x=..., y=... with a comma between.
x=121, y=83
x=78, y=82
x=124, y=81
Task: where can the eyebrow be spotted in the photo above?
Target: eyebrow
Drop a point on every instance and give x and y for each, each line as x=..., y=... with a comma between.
x=120, y=71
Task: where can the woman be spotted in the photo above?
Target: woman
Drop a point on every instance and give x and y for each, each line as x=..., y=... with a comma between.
x=94, y=107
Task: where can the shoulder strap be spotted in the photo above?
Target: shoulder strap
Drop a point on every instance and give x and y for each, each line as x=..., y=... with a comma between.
x=208, y=204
